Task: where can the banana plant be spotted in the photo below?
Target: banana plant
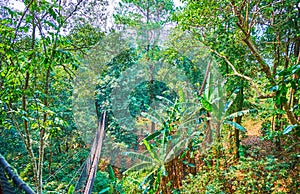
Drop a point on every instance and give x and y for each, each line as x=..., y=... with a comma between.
x=152, y=162
x=215, y=103
x=176, y=123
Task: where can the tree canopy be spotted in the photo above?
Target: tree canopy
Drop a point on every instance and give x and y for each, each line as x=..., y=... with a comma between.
x=198, y=98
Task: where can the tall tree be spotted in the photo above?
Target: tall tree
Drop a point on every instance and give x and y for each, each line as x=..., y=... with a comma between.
x=34, y=50
x=148, y=18
x=255, y=41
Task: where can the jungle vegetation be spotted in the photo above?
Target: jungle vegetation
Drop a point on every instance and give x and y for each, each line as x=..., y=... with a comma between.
x=212, y=109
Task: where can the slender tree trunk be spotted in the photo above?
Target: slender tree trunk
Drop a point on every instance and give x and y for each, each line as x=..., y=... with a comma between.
x=26, y=127
x=27, y=139
x=295, y=100
x=208, y=134
x=150, y=65
x=240, y=101
x=244, y=27
x=42, y=134
x=50, y=158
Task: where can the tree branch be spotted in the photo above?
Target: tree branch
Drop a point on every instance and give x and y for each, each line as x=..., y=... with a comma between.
x=20, y=21
x=236, y=73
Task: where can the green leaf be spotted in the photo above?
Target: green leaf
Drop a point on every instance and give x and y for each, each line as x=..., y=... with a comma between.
x=231, y=100
x=206, y=104
x=148, y=178
x=53, y=25
x=150, y=150
x=289, y=129
x=152, y=118
x=52, y=13
x=71, y=189
x=240, y=113
x=158, y=177
x=104, y=190
x=139, y=166
x=140, y=156
x=235, y=125
x=111, y=173
x=153, y=135
x=274, y=88
x=177, y=148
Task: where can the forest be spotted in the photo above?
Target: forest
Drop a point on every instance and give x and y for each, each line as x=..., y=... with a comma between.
x=149, y=96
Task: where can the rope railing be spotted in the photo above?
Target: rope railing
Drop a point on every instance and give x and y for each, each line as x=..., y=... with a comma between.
x=10, y=182
x=86, y=180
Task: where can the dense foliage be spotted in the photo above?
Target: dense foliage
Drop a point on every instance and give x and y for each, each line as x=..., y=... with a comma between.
x=221, y=114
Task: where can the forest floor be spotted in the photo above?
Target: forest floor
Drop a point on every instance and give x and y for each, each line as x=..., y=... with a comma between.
x=253, y=138
x=260, y=148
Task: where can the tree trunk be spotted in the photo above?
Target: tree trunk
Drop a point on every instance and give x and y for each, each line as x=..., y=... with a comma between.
x=42, y=135
x=240, y=101
x=50, y=158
